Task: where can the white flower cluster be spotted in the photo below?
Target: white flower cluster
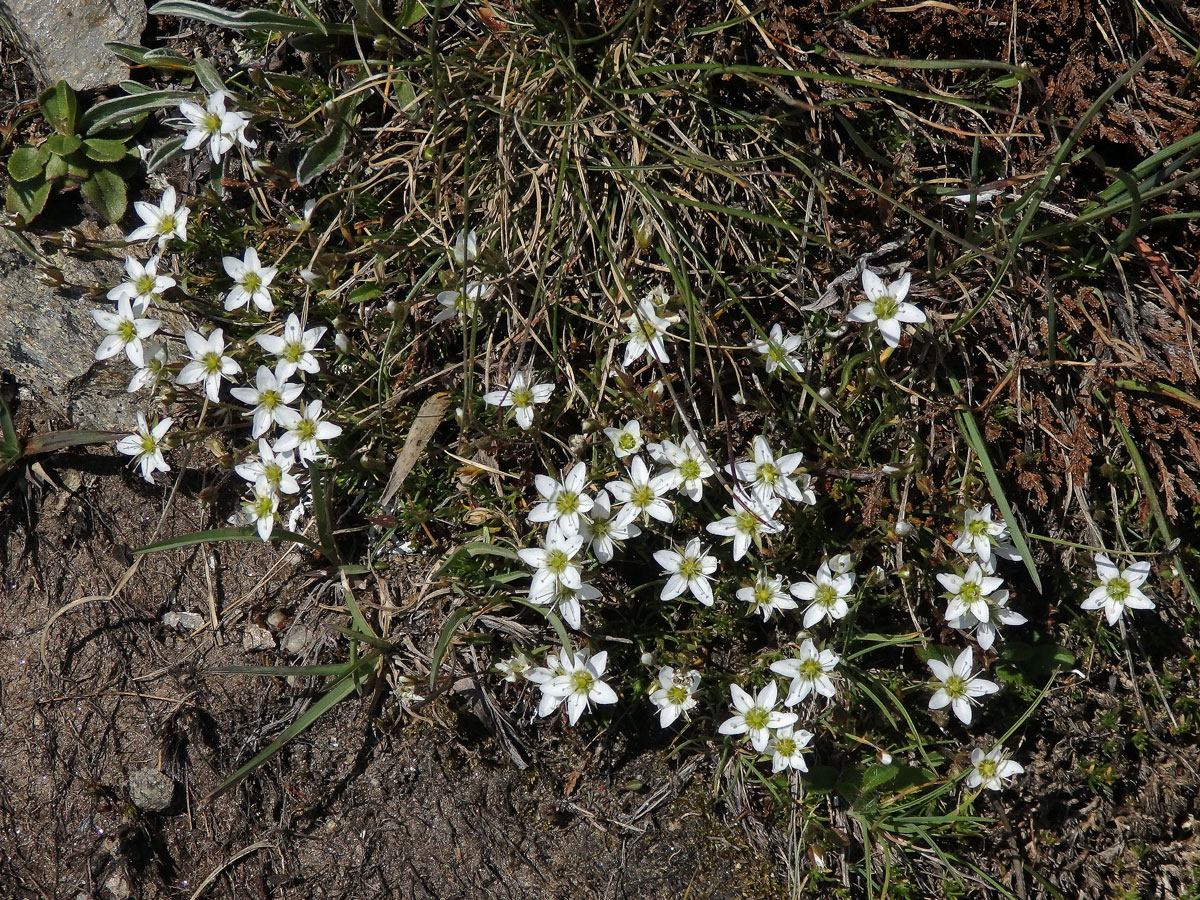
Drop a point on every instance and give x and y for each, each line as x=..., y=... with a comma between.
x=275, y=403
x=463, y=302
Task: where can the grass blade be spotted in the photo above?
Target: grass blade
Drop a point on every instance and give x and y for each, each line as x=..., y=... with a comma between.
x=214, y=535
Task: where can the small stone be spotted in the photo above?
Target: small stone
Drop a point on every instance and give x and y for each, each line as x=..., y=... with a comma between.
x=257, y=638
x=183, y=621
x=279, y=619
x=118, y=885
x=298, y=639
x=65, y=41
x=151, y=790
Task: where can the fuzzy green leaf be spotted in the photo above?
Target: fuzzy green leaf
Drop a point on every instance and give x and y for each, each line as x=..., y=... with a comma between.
x=62, y=144
x=105, y=190
x=323, y=155
x=60, y=107
x=165, y=153
x=246, y=20
x=122, y=109
x=27, y=198
x=24, y=165
x=105, y=149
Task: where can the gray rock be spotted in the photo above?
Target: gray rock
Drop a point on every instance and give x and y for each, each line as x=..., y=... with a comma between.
x=151, y=790
x=64, y=39
x=48, y=340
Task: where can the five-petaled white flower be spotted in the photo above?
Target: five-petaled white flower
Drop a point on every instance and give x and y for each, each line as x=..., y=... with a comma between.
x=809, y=672
x=563, y=502
x=970, y=593
x=521, y=395
x=604, y=533
x=768, y=477
x=262, y=507
x=126, y=331
x=514, y=667
x=270, y=397
x=465, y=247
x=689, y=571
x=642, y=495
x=553, y=563
x=1119, y=589
x=462, y=303
x=542, y=676
x=675, y=695
x=293, y=349
x=787, y=749
x=270, y=468
x=209, y=362
x=749, y=519
x=251, y=281
x=826, y=593
x=766, y=595
x=687, y=464
x=162, y=222
x=957, y=687
x=154, y=367
x=213, y=123
x=145, y=446
x=992, y=769
x=579, y=685
x=757, y=715
x=983, y=537
x=885, y=306
x=779, y=350
x=626, y=441
x=144, y=285
x=305, y=431
x=646, y=330
x=986, y=632
x=567, y=601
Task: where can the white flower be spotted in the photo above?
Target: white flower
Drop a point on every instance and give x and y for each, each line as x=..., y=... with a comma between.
x=305, y=431
x=567, y=601
x=787, y=749
x=563, y=503
x=604, y=533
x=957, y=687
x=152, y=370
x=251, y=280
x=646, y=329
x=809, y=672
x=757, y=715
x=126, y=331
x=270, y=398
x=271, y=467
x=687, y=462
x=885, y=306
x=209, y=362
x=162, y=222
x=749, y=519
x=294, y=349
x=626, y=441
x=991, y=769
x=826, y=594
x=213, y=123
x=642, y=495
x=769, y=477
x=675, y=695
x=983, y=537
x=689, y=571
x=145, y=446
x=542, y=676
x=262, y=507
x=779, y=350
x=970, y=593
x=579, y=685
x=554, y=564
x=465, y=247
x=144, y=285
x=986, y=632
x=514, y=667
x=766, y=595
x=521, y=396
x=462, y=303
x=1119, y=589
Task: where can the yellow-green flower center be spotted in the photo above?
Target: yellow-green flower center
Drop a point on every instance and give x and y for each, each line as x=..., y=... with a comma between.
x=212, y=123
x=273, y=472
x=144, y=285
x=149, y=445
x=642, y=496
x=677, y=695
x=262, y=506
x=212, y=362
x=826, y=595
x=987, y=769
x=811, y=669
x=763, y=594
x=556, y=561
x=886, y=307
x=1118, y=589
x=689, y=469
x=627, y=441
x=126, y=330
x=785, y=746
x=566, y=502
x=522, y=397
x=955, y=687
x=269, y=399
x=969, y=592
x=756, y=718
x=251, y=281
x=582, y=681
x=166, y=225
x=978, y=528
x=690, y=568
x=746, y=522
x=292, y=351
x=768, y=473
x=306, y=430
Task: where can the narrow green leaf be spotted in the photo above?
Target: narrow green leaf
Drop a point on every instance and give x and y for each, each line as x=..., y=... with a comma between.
x=208, y=76
x=60, y=107
x=158, y=58
x=323, y=155
x=342, y=688
x=354, y=634
x=165, y=153
x=24, y=164
x=214, y=535
x=368, y=14
x=122, y=109
x=337, y=669
x=457, y=617
x=246, y=20
x=974, y=439
x=320, y=508
x=552, y=617
x=412, y=13
x=50, y=441
x=10, y=447
x=105, y=190
x=105, y=149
